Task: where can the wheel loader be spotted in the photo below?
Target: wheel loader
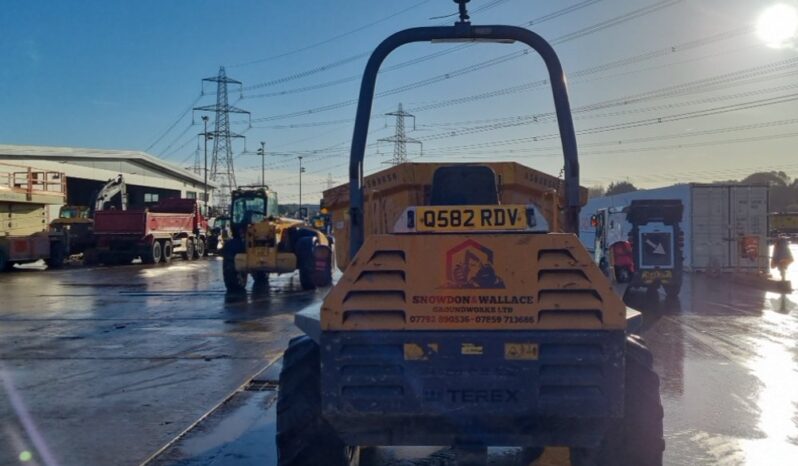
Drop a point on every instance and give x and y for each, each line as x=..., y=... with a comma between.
x=264, y=243
x=468, y=313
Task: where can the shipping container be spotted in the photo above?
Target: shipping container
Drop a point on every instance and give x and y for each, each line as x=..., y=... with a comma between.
x=725, y=226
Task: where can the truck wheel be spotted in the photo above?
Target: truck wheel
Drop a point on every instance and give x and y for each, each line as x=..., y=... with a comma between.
x=167, y=252
x=637, y=439
x=622, y=274
x=234, y=281
x=305, y=263
x=5, y=264
x=153, y=255
x=56, y=259
x=673, y=288
x=90, y=257
x=304, y=438
x=199, y=248
x=188, y=254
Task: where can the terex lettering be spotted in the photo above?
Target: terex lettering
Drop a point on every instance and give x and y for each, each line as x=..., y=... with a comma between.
x=482, y=396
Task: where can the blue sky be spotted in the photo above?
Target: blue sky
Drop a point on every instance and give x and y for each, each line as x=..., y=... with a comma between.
x=118, y=74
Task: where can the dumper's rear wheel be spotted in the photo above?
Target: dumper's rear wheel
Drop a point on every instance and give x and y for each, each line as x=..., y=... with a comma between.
x=637, y=439
x=304, y=438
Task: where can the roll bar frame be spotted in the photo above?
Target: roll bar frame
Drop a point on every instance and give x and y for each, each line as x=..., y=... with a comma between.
x=461, y=31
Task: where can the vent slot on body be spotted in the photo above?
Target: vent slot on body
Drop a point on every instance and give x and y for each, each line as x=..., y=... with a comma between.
x=382, y=278
x=556, y=258
x=388, y=258
x=563, y=279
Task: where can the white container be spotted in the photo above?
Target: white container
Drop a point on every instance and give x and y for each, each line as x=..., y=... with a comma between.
x=715, y=219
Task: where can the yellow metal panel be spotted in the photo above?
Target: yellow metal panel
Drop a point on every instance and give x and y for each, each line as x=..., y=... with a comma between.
x=477, y=281
x=388, y=192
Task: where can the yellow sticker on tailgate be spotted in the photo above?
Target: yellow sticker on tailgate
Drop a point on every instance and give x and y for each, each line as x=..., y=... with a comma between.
x=470, y=218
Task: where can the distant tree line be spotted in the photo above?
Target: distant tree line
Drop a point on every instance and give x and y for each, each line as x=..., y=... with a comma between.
x=783, y=189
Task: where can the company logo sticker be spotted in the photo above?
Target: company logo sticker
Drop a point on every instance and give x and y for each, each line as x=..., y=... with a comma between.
x=470, y=265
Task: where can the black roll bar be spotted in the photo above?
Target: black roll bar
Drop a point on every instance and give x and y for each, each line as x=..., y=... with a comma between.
x=461, y=31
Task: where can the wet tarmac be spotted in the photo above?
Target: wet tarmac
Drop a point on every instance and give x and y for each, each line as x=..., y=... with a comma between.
x=90, y=393
x=102, y=366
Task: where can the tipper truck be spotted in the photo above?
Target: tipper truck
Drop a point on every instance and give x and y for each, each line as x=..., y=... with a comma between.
x=155, y=234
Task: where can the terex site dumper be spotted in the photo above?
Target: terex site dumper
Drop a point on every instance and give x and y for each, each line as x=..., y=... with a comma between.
x=464, y=316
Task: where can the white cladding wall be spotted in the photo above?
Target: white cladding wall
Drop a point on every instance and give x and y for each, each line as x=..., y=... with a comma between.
x=715, y=217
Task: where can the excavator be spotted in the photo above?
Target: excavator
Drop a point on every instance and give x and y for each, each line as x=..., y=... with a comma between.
x=468, y=314
x=77, y=222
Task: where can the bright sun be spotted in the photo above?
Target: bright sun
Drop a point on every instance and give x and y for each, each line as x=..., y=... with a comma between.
x=777, y=25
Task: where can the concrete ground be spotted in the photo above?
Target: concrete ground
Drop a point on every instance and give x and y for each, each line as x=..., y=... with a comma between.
x=115, y=373
x=104, y=366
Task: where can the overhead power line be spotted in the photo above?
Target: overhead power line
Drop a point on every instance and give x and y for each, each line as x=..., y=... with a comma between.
x=404, y=64
x=478, y=66
x=333, y=38
x=172, y=126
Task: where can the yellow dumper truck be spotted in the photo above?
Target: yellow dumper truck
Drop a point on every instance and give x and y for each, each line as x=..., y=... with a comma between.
x=468, y=313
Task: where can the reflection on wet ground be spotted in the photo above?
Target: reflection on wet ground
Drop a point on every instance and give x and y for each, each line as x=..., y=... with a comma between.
x=727, y=355
x=106, y=365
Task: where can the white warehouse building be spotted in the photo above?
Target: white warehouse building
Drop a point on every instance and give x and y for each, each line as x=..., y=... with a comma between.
x=715, y=218
x=148, y=178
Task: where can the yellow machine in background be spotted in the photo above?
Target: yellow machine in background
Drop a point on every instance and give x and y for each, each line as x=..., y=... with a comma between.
x=264, y=243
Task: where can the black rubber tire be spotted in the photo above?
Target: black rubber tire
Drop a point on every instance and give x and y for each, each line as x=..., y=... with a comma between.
x=622, y=274
x=673, y=288
x=234, y=281
x=304, y=262
x=637, y=439
x=5, y=264
x=304, y=438
x=153, y=255
x=57, y=256
x=167, y=252
x=199, y=248
x=188, y=254
x=323, y=278
x=90, y=257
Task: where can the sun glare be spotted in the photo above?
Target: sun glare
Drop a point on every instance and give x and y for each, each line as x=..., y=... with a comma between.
x=777, y=25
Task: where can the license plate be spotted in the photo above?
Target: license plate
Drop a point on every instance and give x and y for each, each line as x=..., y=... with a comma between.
x=650, y=276
x=511, y=217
